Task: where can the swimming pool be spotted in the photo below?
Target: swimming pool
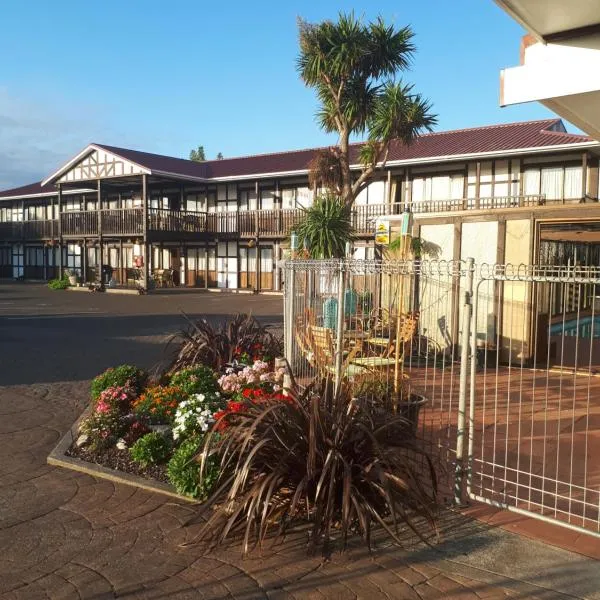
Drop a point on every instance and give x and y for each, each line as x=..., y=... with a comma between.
x=585, y=327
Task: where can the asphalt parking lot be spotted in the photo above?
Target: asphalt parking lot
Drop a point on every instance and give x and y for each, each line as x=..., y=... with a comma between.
x=48, y=336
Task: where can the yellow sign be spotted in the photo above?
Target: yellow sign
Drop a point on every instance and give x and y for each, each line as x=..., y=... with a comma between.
x=382, y=232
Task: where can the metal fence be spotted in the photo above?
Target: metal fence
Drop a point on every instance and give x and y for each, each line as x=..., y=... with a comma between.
x=496, y=365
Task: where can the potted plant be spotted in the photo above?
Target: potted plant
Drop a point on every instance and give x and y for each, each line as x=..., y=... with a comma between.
x=72, y=276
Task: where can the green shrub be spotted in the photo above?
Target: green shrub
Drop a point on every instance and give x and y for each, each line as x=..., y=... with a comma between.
x=59, y=284
x=118, y=377
x=151, y=449
x=183, y=470
x=195, y=380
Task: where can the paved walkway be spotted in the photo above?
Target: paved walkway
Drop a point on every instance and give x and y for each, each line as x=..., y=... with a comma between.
x=68, y=535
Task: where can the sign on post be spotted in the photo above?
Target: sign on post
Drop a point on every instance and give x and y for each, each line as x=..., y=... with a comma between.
x=382, y=232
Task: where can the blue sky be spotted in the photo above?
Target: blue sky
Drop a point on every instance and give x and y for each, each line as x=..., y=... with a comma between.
x=165, y=76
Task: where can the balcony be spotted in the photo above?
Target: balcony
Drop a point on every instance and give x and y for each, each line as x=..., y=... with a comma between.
x=114, y=221
x=29, y=230
x=174, y=225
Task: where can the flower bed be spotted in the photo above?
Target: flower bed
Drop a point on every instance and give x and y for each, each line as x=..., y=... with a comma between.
x=340, y=457
x=156, y=428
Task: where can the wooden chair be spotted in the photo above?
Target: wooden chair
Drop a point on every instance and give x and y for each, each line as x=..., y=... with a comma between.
x=405, y=329
x=322, y=345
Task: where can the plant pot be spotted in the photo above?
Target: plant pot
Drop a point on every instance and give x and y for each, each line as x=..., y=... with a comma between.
x=408, y=409
x=73, y=280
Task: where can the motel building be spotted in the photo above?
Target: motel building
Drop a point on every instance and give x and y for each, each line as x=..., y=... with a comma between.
x=521, y=193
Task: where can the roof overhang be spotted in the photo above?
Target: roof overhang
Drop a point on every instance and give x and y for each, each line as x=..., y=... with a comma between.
x=581, y=147
x=560, y=60
x=65, y=192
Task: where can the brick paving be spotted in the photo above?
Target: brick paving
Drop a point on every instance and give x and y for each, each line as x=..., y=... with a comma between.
x=68, y=535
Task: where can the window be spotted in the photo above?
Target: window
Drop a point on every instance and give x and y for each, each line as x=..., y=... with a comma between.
x=555, y=183
x=438, y=187
x=248, y=199
x=267, y=201
x=196, y=202
x=227, y=265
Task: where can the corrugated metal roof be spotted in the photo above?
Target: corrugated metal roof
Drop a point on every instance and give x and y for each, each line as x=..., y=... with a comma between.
x=489, y=139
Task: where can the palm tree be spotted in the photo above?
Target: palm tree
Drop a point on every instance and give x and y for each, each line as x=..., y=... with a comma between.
x=326, y=228
x=354, y=68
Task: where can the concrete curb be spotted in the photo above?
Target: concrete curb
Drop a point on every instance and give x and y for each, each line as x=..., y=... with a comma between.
x=58, y=458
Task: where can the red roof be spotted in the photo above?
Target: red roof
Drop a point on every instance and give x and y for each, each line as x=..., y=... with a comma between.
x=490, y=139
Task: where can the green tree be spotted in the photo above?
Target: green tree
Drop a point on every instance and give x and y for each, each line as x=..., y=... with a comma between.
x=326, y=228
x=354, y=68
x=220, y=156
x=198, y=154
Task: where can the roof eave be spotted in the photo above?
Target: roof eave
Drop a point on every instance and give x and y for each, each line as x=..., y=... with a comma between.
x=47, y=194
x=425, y=160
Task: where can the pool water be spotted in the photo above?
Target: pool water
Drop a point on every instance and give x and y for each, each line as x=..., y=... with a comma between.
x=586, y=327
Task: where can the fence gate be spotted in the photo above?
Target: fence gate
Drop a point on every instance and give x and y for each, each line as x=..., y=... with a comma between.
x=534, y=406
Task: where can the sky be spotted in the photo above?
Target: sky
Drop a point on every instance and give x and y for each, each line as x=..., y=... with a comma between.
x=165, y=76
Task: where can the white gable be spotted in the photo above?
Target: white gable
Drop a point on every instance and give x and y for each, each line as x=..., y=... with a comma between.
x=99, y=164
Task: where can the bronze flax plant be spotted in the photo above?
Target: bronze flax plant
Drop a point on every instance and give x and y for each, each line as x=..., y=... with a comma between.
x=321, y=459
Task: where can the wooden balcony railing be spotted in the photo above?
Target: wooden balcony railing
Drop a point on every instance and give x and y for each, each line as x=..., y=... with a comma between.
x=162, y=219
x=122, y=221
x=243, y=223
x=79, y=222
x=29, y=230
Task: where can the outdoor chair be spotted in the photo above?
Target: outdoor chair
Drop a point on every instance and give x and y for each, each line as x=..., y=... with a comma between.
x=322, y=347
x=405, y=329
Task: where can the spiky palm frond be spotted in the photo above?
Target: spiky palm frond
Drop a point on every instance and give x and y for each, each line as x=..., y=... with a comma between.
x=326, y=228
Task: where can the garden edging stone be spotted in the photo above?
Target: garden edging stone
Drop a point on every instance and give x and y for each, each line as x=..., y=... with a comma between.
x=58, y=458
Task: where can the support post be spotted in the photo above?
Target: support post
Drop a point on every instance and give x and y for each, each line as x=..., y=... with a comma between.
x=471, y=424
x=206, y=271
x=288, y=313
x=462, y=391
x=100, y=252
x=339, y=350
x=146, y=267
x=84, y=262
x=478, y=184
x=59, y=225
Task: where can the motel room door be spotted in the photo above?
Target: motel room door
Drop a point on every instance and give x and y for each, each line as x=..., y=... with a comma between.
x=266, y=267
x=227, y=265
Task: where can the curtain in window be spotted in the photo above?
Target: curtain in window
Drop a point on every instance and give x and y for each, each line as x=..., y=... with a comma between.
x=531, y=182
x=456, y=187
x=573, y=182
x=552, y=183
x=440, y=188
x=418, y=189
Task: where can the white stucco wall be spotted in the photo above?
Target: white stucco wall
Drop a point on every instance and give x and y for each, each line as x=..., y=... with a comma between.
x=441, y=238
